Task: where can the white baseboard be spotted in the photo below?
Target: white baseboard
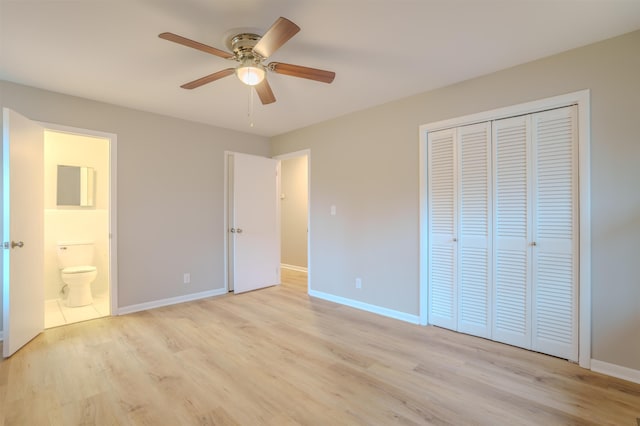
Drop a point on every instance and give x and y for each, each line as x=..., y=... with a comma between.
x=170, y=301
x=402, y=316
x=615, y=370
x=293, y=267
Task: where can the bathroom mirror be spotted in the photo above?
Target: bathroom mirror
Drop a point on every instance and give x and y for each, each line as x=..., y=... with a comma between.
x=75, y=186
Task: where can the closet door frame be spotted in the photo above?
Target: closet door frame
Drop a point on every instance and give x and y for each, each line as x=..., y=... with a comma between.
x=582, y=100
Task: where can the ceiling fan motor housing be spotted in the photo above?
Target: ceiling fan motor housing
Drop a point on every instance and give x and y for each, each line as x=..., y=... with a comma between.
x=243, y=44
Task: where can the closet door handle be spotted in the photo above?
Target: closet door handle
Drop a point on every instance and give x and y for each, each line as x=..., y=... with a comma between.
x=455, y=240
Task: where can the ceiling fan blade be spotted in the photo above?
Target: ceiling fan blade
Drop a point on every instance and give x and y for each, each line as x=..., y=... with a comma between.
x=208, y=78
x=195, y=44
x=279, y=33
x=302, y=72
x=265, y=93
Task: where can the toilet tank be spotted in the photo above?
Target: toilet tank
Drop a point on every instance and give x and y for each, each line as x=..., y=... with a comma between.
x=75, y=254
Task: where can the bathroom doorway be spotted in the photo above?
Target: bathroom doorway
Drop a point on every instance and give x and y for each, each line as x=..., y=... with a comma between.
x=78, y=211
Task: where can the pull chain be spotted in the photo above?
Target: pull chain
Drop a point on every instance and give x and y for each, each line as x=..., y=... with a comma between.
x=250, y=107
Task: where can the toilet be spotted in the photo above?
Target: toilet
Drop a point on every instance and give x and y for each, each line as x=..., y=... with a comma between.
x=76, y=268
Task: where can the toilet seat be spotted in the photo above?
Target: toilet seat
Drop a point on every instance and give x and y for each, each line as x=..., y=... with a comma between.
x=78, y=269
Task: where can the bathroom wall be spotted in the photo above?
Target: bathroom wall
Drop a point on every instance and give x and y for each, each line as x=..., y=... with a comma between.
x=71, y=223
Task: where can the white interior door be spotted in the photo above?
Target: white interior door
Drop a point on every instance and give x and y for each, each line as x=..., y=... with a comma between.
x=555, y=233
x=23, y=198
x=442, y=252
x=512, y=231
x=474, y=226
x=255, y=223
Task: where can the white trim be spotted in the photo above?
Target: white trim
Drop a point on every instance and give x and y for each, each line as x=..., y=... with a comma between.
x=423, y=231
x=584, y=182
x=402, y=316
x=171, y=301
x=582, y=99
x=225, y=224
x=510, y=111
x=295, y=154
x=293, y=267
x=615, y=370
x=113, y=208
x=279, y=218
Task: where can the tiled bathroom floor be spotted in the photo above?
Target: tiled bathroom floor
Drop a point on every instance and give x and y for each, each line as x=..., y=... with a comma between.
x=56, y=313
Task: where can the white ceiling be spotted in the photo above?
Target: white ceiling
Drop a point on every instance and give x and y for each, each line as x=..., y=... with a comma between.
x=381, y=50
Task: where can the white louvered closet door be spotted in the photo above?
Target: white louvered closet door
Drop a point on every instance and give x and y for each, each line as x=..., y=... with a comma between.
x=555, y=233
x=442, y=228
x=474, y=229
x=512, y=231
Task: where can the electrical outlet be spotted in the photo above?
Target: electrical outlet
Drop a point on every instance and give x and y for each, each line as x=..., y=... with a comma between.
x=187, y=278
x=358, y=282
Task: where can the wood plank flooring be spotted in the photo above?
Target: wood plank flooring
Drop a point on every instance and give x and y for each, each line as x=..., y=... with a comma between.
x=278, y=357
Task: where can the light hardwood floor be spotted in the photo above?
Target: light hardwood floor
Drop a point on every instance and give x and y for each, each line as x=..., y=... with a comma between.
x=278, y=357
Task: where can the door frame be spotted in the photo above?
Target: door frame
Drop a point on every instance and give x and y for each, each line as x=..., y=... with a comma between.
x=113, y=234
x=580, y=98
x=296, y=154
x=227, y=204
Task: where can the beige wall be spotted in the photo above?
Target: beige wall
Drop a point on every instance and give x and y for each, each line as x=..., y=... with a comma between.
x=169, y=190
x=366, y=164
x=293, y=208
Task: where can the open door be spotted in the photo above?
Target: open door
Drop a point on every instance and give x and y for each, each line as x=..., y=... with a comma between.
x=23, y=227
x=254, y=224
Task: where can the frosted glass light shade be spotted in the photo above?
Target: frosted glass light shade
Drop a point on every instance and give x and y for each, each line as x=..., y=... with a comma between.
x=250, y=74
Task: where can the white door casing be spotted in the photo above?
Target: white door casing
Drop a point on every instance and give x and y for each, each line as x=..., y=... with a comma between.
x=254, y=223
x=23, y=224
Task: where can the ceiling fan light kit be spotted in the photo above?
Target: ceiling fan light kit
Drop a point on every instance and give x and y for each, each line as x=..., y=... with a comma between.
x=251, y=50
x=250, y=73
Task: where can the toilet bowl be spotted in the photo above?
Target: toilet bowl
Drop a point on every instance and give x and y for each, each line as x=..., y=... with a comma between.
x=77, y=272
x=79, y=279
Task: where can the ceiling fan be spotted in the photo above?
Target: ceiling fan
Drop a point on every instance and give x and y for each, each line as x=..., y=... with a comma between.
x=251, y=50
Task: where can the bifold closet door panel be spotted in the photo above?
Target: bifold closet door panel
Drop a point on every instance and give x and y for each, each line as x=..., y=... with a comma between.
x=555, y=233
x=474, y=229
x=512, y=231
x=441, y=175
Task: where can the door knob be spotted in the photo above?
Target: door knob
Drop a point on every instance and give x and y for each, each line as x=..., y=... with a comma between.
x=239, y=230
x=19, y=244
